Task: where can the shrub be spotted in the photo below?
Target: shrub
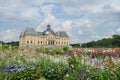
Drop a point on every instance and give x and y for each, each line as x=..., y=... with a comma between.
x=57, y=51
x=65, y=48
x=53, y=71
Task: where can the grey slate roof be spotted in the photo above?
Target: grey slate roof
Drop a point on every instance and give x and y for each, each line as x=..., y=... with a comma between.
x=32, y=32
x=39, y=33
x=62, y=34
x=28, y=31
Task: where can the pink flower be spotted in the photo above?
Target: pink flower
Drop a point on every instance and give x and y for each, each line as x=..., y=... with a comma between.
x=96, y=67
x=87, y=71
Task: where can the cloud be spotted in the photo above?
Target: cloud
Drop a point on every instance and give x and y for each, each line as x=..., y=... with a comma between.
x=19, y=11
x=109, y=34
x=80, y=32
x=83, y=20
x=95, y=36
x=9, y=35
x=47, y=9
x=118, y=30
x=67, y=25
x=30, y=14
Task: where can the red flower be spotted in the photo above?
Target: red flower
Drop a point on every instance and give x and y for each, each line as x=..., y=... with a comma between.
x=112, y=73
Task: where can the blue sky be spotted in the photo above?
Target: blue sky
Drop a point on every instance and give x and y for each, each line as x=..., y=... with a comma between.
x=83, y=20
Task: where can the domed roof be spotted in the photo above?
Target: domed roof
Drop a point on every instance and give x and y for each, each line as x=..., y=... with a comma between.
x=48, y=31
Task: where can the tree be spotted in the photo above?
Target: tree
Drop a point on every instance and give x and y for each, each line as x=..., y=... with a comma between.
x=116, y=40
x=106, y=42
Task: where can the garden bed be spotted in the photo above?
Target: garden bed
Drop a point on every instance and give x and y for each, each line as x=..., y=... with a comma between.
x=60, y=64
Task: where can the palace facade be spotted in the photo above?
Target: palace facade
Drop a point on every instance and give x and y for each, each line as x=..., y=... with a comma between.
x=48, y=38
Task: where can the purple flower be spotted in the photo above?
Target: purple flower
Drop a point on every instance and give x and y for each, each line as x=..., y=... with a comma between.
x=20, y=69
x=14, y=65
x=22, y=65
x=12, y=70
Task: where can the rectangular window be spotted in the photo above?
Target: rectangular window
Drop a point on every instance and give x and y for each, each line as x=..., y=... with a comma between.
x=27, y=41
x=67, y=43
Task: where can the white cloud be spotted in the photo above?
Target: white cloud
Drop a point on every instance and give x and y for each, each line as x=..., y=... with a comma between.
x=47, y=9
x=67, y=25
x=109, y=34
x=80, y=32
x=9, y=35
x=83, y=20
x=95, y=36
x=118, y=30
x=30, y=14
x=50, y=19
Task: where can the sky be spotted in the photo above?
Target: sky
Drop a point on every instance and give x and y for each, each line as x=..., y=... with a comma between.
x=83, y=20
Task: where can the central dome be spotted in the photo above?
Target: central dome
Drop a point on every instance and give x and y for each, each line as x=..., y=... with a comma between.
x=48, y=31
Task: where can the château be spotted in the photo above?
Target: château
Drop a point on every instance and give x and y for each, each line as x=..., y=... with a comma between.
x=48, y=38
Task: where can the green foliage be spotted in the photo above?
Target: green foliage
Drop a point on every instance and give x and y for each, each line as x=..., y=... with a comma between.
x=39, y=50
x=5, y=47
x=27, y=74
x=75, y=67
x=46, y=68
x=15, y=47
x=46, y=50
x=0, y=47
x=42, y=78
x=106, y=42
x=65, y=48
x=116, y=40
x=57, y=51
x=53, y=71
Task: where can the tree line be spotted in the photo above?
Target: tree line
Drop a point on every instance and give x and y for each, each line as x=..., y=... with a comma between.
x=9, y=45
x=106, y=42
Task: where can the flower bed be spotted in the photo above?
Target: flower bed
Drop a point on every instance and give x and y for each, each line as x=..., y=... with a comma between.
x=78, y=64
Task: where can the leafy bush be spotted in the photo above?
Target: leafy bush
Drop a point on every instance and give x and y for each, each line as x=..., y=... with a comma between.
x=65, y=48
x=53, y=71
x=5, y=47
x=57, y=51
